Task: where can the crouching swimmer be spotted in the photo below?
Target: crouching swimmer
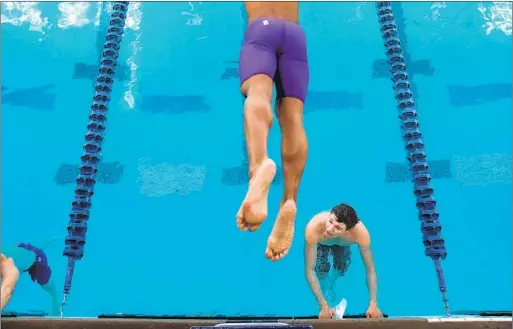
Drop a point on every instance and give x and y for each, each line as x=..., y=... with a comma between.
x=331, y=235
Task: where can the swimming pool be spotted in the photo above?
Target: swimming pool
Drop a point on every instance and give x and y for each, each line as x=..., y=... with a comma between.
x=162, y=237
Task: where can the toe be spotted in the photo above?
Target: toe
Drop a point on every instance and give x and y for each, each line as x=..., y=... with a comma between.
x=254, y=227
x=241, y=224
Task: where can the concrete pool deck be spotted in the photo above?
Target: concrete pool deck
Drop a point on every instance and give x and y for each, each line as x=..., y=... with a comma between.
x=391, y=323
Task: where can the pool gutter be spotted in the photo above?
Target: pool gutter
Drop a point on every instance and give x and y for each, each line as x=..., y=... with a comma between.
x=392, y=323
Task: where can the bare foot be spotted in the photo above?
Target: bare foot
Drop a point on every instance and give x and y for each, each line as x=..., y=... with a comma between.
x=253, y=210
x=280, y=240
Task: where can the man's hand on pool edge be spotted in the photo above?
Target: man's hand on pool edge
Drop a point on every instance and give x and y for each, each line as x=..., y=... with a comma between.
x=373, y=311
x=326, y=313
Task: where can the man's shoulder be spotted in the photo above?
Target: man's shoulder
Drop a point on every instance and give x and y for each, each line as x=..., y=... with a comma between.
x=312, y=235
x=322, y=214
x=362, y=235
x=316, y=219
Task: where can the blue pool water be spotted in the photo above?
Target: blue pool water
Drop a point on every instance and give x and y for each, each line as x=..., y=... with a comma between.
x=161, y=236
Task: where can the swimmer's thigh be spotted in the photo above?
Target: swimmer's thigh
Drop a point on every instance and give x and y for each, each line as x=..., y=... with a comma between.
x=257, y=67
x=42, y=274
x=341, y=258
x=293, y=73
x=23, y=258
x=322, y=264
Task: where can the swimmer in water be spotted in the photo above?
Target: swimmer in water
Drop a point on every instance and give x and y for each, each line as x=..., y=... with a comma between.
x=273, y=53
x=27, y=258
x=332, y=234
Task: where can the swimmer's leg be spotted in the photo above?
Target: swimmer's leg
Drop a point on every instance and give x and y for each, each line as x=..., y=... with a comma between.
x=294, y=145
x=294, y=150
x=341, y=259
x=291, y=84
x=329, y=291
x=23, y=258
x=322, y=263
x=47, y=243
x=257, y=66
x=49, y=287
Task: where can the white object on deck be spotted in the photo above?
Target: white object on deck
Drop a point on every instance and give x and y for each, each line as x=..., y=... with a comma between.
x=340, y=309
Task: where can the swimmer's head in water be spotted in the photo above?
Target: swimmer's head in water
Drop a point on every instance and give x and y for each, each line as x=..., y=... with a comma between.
x=342, y=219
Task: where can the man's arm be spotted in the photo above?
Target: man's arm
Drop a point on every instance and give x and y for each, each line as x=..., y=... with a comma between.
x=313, y=282
x=372, y=281
x=10, y=275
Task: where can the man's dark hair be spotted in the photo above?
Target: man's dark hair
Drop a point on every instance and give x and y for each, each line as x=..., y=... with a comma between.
x=345, y=214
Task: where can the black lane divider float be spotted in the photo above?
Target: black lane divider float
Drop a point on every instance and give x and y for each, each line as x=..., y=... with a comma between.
x=426, y=204
x=90, y=159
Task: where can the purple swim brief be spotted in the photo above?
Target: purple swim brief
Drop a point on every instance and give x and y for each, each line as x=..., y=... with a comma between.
x=276, y=48
x=39, y=272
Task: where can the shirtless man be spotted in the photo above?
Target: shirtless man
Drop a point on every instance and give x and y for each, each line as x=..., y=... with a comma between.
x=273, y=53
x=332, y=234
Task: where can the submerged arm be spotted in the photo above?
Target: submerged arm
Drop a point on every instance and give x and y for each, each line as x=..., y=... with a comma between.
x=372, y=280
x=313, y=282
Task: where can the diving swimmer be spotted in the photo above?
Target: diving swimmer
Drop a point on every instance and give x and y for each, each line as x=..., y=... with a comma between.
x=273, y=53
x=25, y=257
x=332, y=234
